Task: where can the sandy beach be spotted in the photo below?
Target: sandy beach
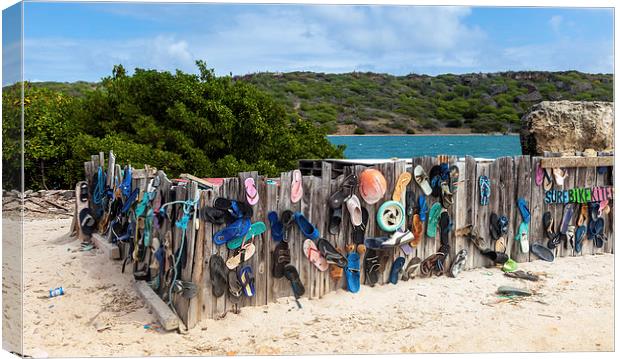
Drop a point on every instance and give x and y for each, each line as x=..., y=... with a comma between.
x=101, y=315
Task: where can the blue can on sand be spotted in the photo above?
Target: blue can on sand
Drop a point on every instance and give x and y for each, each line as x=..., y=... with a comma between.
x=56, y=292
x=382, y=147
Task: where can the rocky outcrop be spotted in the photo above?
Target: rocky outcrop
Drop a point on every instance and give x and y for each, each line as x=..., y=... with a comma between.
x=559, y=126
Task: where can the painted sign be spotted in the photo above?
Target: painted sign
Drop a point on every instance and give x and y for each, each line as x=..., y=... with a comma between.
x=579, y=195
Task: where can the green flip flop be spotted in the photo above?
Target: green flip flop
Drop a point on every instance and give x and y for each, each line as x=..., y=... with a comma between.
x=509, y=266
x=433, y=218
x=255, y=230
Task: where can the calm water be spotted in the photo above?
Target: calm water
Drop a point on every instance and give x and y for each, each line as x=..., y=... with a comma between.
x=412, y=146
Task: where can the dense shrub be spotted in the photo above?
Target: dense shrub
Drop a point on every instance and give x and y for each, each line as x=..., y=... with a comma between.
x=200, y=124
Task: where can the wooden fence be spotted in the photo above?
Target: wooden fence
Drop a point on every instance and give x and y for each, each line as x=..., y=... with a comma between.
x=510, y=178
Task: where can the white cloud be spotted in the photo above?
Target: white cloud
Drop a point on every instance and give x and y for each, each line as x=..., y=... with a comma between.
x=555, y=22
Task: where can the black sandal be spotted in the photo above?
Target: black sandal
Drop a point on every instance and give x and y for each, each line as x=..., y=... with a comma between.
x=330, y=253
x=371, y=267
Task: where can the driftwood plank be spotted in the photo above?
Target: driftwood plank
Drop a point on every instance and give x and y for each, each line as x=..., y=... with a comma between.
x=537, y=208
x=574, y=161
x=523, y=187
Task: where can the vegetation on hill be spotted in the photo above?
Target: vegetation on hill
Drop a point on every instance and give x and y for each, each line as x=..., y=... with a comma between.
x=199, y=124
x=381, y=103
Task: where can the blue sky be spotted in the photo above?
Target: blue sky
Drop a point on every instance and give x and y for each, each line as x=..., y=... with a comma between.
x=69, y=42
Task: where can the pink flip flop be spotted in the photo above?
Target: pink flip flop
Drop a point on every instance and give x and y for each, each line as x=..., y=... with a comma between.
x=540, y=174
x=314, y=256
x=251, y=194
x=297, y=189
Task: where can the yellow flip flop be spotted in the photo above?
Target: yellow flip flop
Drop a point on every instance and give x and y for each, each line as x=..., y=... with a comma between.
x=401, y=186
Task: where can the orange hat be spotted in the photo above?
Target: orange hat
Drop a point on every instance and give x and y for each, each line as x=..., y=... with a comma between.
x=372, y=185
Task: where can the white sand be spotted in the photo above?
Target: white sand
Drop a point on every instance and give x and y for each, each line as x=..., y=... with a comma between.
x=573, y=311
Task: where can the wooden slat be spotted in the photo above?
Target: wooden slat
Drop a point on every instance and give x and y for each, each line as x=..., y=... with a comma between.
x=205, y=297
x=537, y=208
x=271, y=203
x=523, y=187
x=572, y=162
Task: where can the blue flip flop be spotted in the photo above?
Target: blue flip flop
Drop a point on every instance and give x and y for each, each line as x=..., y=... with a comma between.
x=485, y=190
x=246, y=278
x=423, y=207
x=525, y=212
x=277, y=228
x=236, y=229
x=306, y=228
x=352, y=272
x=396, y=268
x=579, y=235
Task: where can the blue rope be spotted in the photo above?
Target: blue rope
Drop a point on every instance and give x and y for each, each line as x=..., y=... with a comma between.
x=100, y=187
x=126, y=184
x=182, y=224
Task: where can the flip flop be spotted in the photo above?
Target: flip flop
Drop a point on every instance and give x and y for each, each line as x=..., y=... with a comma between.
x=371, y=267
x=423, y=207
x=401, y=184
x=410, y=204
x=559, y=175
x=329, y=252
x=219, y=280
x=83, y=192
x=291, y=273
x=458, y=264
x=412, y=267
x=522, y=275
x=485, y=190
x=570, y=236
x=314, y=256
x=525, y=212
x=447, y=198
x=512, y=291
x=246, y=278
x=421, y=179
x=496, y=257
x=235, y=290
x=281, y=257
x=500, y=244
x=306, y=228
x=542, y=252
x=391, y=216
x=397, y=267
x=344, y=192
x=352, y=272
x=335, y=219
x=418, y=231
x=547, y=180
x=454, y=178
x=431, y=227
x=522, y=237
x=297, y=188
x=548, y=225
x=375, y=243
x=494, y=229
x=243, y=254
x=215, y=215
x=236, y=229
x=567, y=217
x=579, y=236
x=277, y=228
x=509, y=266
x=540, y=175
x=397, y=238
x=355, y=210
x=251, y=193
x=235, y=208
x=256, y=229
x=358, y=232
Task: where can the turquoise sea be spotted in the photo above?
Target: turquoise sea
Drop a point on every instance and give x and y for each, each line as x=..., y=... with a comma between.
x=483, y=146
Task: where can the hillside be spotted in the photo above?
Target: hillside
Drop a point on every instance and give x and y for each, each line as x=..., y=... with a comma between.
x=381, y=103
